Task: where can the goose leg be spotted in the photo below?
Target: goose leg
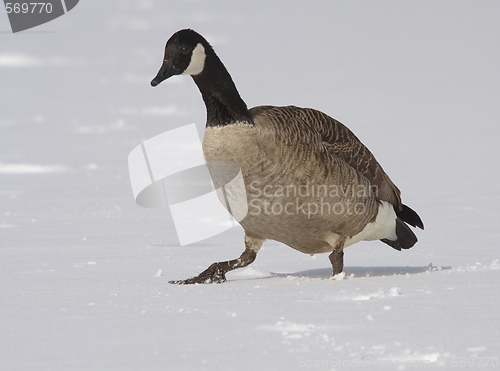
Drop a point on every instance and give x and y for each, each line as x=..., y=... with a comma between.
x=337, y=256
x=216, y=273
x=337, y=260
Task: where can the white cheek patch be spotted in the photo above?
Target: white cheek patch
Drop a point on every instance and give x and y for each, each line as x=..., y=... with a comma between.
x=197, y=61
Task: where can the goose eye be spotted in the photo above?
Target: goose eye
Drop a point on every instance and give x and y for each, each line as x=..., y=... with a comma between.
x=184, y=50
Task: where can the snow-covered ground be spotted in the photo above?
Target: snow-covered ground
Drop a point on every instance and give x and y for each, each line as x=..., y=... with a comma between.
x=84, y=271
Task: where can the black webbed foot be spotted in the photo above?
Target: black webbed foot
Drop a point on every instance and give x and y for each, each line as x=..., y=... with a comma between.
x=216, y=273
x=213, y=274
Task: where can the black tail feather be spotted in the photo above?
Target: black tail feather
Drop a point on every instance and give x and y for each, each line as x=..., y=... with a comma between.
x=405, y=235
x=394, y=244
x=406, y=238
x=409, y=216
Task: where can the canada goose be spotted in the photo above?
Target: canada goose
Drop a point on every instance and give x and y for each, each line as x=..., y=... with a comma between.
x=291, y=159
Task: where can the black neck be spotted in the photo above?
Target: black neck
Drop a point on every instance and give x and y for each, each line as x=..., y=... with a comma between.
x=222, y=100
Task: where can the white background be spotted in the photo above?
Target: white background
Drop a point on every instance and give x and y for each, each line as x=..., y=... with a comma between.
x=80, y=287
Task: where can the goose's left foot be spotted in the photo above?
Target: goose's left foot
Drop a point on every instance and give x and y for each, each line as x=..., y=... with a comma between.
x=216, y=273
x=213, y=274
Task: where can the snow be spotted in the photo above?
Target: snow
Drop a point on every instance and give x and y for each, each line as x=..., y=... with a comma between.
x=18, y=61
x=84, y=271
x=30, y=168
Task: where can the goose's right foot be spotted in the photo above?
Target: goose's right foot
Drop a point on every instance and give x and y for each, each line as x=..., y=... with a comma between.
x=337, y=260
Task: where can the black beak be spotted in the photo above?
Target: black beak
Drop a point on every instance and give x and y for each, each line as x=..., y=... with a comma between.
x=166, y=70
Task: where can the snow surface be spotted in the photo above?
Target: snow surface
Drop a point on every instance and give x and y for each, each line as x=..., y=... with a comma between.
x=84, y=271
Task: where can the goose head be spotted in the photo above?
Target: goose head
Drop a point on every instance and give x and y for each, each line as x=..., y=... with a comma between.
x=188, y=53
x=185, y=54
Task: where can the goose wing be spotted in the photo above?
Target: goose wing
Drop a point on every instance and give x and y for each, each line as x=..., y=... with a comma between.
x=341, y=142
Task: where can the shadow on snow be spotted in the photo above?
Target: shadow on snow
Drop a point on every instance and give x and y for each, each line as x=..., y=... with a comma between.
x=326, y=273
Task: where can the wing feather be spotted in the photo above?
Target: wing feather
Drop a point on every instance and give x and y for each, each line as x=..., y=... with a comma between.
x=340, y=141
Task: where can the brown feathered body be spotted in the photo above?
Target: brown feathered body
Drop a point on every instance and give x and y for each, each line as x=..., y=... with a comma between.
x=308, y=179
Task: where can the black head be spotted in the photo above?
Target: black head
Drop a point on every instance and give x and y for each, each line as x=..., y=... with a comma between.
x=185, y=54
